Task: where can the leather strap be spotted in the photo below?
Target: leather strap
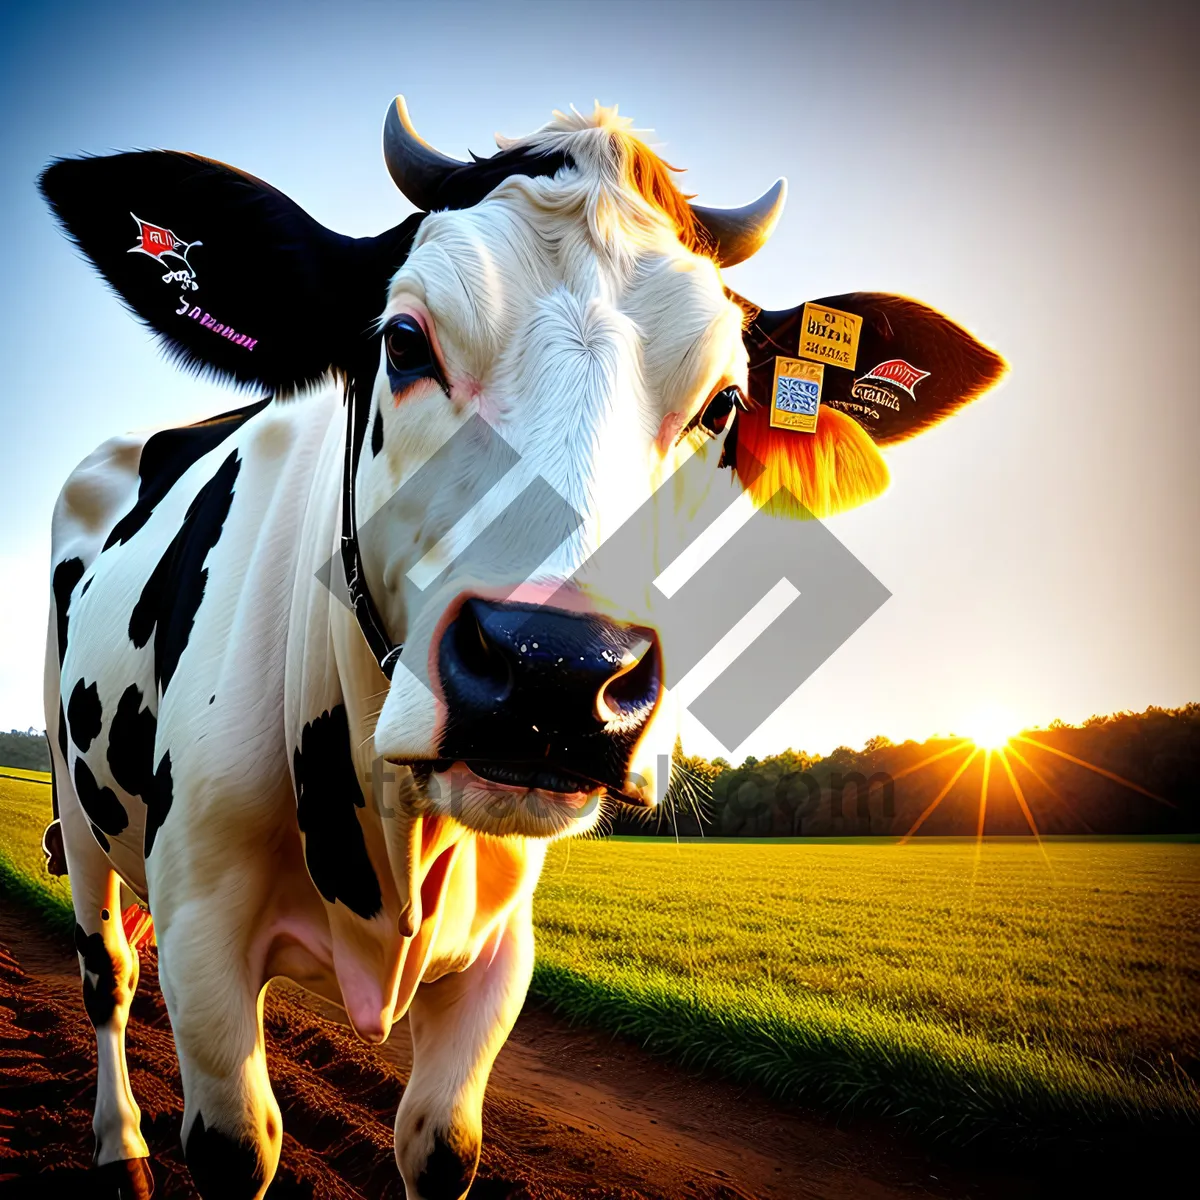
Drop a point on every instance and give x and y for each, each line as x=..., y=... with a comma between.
x=386, y=651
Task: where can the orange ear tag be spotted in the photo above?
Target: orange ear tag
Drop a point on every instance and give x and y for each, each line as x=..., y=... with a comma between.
x=829, y=335
x=796, y=395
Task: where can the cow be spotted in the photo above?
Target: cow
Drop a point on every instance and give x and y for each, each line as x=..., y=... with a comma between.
x=314, y=702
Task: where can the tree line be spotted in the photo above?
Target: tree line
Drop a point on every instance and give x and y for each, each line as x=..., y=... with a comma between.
x=24, y=748
x=1141, y=777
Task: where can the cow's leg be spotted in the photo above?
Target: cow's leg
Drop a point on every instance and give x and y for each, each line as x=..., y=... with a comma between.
x=232, y=1131
x=109, y=967
x=458, y=1025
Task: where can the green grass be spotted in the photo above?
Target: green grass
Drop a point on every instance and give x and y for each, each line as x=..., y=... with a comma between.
x=1018, y=995
x=25, y=810
x=1007, y=995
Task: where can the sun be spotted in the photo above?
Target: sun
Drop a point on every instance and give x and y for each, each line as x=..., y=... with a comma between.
x=991, y=728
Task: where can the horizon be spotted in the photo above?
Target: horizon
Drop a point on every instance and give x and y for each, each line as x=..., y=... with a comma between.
x=937, y=735
x=1039, y=547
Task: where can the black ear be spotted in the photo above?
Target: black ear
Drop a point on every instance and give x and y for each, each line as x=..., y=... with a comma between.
x=893, y=364
x=237, y=279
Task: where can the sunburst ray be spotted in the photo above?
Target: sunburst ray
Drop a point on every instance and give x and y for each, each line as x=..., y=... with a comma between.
x=925, y=762
x=942, y=794
x=1025, y=809
x=983, y=799
x=1066, y=804
x=1079, y=762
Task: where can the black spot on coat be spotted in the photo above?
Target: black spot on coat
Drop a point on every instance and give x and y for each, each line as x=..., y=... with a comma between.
x=103, y=808
x=447, y=1172
x=99, y=998
x=377, y=433
x=167, y=455
x=222, y=1167
x=66, y=575
x=158, y=802
x=62, y=731
x=131, y=744
x=171, y=596
x=327, y=793
x=84, y=714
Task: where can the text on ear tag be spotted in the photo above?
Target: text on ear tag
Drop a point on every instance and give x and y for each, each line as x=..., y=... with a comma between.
x=829, y=335
x=796, y=394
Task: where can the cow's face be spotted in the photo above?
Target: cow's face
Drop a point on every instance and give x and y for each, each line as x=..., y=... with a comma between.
x=553, y=369
x=576, y=358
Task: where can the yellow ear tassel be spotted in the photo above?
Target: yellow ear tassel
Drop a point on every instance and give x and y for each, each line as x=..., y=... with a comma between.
x=836, y=468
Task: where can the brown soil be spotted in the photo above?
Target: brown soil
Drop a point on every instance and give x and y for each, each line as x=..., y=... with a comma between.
x=569, y=1114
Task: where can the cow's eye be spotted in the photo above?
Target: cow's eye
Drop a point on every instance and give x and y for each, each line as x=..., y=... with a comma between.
x=718, y=412
x=409, y=355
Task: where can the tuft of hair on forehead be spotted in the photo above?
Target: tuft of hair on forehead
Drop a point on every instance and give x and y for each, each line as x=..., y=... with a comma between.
x=627, y=178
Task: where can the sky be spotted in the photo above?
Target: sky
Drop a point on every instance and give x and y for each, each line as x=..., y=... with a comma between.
x=1029, y=169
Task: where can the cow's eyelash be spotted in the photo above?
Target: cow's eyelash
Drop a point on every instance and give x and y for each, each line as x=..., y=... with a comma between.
x=715, y=417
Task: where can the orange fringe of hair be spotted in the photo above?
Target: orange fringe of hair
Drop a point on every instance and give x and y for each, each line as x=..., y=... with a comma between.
x=651, y=178
x=808, y=474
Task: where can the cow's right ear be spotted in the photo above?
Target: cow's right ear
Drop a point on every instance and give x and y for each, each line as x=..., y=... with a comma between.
x=237, y=280
x=833, y=379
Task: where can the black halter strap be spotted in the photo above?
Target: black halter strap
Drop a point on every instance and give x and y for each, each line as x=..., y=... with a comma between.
x=369, y=621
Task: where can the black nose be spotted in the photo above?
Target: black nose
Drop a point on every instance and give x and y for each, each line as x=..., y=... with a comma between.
x=540, y=697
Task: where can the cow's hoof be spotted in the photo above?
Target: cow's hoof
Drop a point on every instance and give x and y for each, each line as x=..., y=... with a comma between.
x=129, y=1179
x=449, y=1169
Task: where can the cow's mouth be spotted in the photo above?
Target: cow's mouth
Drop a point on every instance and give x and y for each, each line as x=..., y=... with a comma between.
x=536, y=776
x=533, y=798
x=533, y=777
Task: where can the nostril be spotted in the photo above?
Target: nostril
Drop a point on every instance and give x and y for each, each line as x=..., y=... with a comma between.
x=637, y=687
x=477, y=655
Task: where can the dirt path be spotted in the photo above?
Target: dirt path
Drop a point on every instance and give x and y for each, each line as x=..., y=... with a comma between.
x=569, y=1113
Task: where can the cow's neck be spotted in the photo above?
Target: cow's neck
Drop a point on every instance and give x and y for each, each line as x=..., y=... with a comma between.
x=421, y=862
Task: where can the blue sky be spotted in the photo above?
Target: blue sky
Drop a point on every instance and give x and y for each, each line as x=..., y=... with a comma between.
x=1032, y=173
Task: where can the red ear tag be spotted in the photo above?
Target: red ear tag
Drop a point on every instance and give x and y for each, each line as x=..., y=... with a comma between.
x=887, y=382
x=160, y=243
x=796, y=395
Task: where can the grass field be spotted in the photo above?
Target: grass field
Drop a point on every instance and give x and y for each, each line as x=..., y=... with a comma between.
x=25, y=809
x=1007, y=992
x=1011, y=992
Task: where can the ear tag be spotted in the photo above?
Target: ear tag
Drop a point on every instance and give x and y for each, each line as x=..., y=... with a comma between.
x=160, y=243
x=888, y=383
x=829, y=335
x=796, y=395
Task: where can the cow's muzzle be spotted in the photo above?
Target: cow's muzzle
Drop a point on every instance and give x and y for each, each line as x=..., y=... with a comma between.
x=539, y=697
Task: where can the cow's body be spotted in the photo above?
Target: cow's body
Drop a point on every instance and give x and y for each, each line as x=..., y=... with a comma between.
x=233, y=901
x=561, y=332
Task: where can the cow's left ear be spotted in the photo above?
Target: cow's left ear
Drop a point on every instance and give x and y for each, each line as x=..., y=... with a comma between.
x=833, y=379
x=237, y=279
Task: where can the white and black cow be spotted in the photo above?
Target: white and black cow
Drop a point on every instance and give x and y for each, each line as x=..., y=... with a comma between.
x=553, y=317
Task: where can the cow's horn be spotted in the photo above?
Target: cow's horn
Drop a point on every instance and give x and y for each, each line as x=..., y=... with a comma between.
x=415, y=166
x=736, y=233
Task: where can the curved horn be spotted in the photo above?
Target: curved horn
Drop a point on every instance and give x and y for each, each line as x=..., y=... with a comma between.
x=737, y=233
x=416, y=167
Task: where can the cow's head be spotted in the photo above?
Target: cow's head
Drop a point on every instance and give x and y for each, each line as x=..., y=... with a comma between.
x=546, y=356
